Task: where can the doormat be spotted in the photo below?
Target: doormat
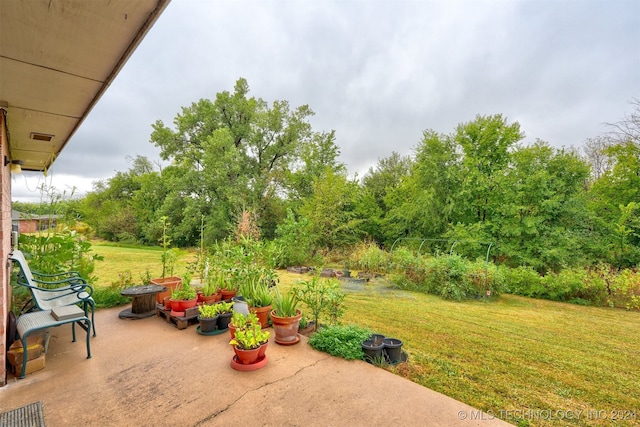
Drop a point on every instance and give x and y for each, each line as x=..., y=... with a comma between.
x=30, y=415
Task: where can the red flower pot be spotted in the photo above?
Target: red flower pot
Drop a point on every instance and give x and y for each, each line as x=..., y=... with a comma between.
x=170, y=282
x=247, y=357
x=179, y=305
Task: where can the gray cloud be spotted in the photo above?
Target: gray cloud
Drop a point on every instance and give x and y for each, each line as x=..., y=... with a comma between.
x=378, y=72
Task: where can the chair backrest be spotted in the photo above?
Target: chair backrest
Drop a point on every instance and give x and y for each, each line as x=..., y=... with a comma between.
x=18, y=257
x=49, y=298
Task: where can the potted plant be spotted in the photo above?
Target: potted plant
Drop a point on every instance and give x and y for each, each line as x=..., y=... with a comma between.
x=373, y=348
x=286, y=317
x=260, y=300
x=211, y=289
x=228, y=284
x=239, y=320
x=169, y=258
x=225, y=311
x=208, y=318
x=250, y=344
x=183, y=297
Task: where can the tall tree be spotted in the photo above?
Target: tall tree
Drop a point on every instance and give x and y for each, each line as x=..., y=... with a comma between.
x=542, y=220
x=485, y=144
x=239, y=152
x=329, y=212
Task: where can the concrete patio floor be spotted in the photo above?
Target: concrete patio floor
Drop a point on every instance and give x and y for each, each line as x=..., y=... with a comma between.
x=148, y=373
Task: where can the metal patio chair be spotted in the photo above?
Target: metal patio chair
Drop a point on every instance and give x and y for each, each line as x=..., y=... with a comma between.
x=69, y=288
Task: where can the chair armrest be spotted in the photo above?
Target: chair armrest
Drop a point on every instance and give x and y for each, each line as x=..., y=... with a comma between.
x=71, y=281
x=64, y=274
x=73, y=287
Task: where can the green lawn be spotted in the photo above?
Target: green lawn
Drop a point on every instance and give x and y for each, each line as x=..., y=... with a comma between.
x=136, y=260
x=531, y=362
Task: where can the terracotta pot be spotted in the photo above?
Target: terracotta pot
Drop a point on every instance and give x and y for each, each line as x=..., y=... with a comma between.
x=166, y=302
x=247, y=357
x=227, y=294
x=232, y=331
x=263, y=315
x=263, y=350
x=171, y=284
x=286, y=328
x=180, y=305
x=210, y=299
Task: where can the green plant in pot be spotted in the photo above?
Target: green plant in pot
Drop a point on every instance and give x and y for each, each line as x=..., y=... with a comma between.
x=168, y=258
x=250, y=343
x=228, y=282
x=225, y=312
x=239, y=320
x=184, y=297
x=208, y=318
x=211, y=288
x=285, y=317
x=260, y=300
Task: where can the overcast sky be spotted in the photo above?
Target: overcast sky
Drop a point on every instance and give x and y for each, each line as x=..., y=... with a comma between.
x=377, y=72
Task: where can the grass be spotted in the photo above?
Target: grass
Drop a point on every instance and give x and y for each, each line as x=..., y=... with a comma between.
x=523, y=360
x=134, y=259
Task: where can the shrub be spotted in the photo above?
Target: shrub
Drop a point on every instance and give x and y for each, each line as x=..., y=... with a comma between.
x=65, y=250
x=296, y=241
x=369, y=257
x=323, y=298
x=341, y=341
x=109, y=296
x=521, y=280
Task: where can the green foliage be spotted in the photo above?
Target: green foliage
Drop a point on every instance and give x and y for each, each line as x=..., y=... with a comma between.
x=599, y=285
x=521, y=280
x=257, y=294
x=341, y=341
x=332, y=222
x=208, y=311
x=224, y=307
x=285, y=305
x=214, y=281
x=110, y=296
x=368, y=256
x=250, y=335
x=295, y=239
x=449, y=276
x=247, y=266
x=322, y=297
x=239, y=320
x=237, y=151
x=63, y=250
x=184, y=292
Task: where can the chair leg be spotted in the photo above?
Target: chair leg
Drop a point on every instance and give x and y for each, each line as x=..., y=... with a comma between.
x=86, y=306
x=88, y=340
x=24, y=357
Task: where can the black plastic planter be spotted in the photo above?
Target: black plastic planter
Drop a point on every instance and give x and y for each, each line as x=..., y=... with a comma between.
x=393, y=350
x=223, y=320
x=373, y=352
x=208, y=324
x=377, y=339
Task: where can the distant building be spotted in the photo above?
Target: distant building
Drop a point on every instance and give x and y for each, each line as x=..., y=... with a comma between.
x=31, y=223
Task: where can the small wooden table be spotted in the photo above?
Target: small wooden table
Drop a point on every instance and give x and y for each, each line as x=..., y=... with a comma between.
x=144, y=301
